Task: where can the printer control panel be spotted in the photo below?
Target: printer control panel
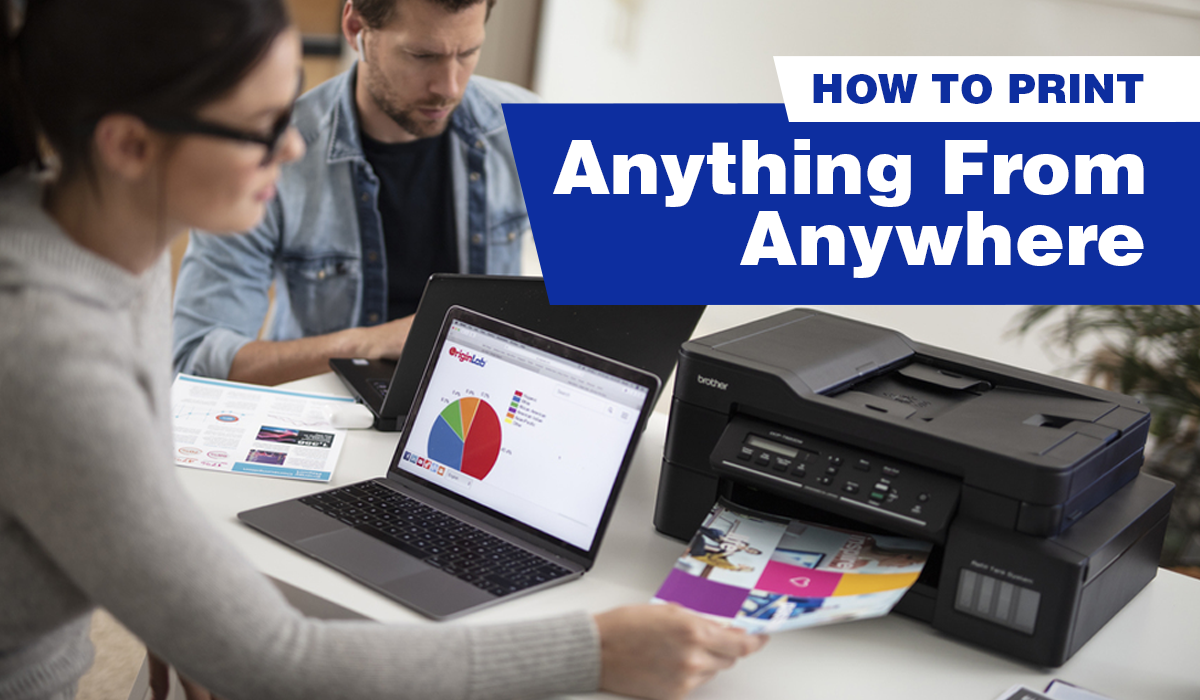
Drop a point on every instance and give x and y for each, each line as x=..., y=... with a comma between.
x=837, y=477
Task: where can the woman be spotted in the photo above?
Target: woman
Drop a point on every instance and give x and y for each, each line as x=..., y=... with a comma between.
x=164, y=116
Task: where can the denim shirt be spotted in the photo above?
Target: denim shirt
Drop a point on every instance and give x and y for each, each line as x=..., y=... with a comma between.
x=322, y=240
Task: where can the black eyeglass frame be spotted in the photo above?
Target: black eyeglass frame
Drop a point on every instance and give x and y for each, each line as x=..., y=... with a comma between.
x=191, y=125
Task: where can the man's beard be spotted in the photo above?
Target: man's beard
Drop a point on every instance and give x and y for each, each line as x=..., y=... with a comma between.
x=408, y=118
x=413, y=123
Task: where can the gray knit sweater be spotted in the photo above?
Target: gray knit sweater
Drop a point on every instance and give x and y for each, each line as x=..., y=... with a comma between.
x=91, y=514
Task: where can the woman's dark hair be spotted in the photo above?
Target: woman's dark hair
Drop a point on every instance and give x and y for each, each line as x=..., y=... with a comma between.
x=18, y=144
x=75, y=61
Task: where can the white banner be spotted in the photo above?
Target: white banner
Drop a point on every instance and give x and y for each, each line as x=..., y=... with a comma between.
x=990, y=88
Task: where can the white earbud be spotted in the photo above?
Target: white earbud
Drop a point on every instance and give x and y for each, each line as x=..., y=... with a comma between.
x=359, y=43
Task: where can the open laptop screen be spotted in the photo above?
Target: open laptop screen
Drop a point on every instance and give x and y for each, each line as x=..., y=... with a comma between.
x=532, y=435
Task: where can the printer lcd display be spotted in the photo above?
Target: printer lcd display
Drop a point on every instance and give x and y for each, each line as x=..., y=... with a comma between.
x=764, y=444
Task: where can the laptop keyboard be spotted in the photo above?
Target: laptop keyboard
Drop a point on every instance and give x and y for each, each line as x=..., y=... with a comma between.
x=459, y=549
x=381, y=386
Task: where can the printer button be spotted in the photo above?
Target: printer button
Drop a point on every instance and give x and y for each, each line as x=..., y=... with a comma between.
x=824, y=480
x=798, y=471
x=764, y=458
x=877, y=496
x=835, y=460
x=864, y=465
x=781, y=464
x=831, y=470
x=746, y=452
x=923, y=497
x=891, y=471
x=850, y=487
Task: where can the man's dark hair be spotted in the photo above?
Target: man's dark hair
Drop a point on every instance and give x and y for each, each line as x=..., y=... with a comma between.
x=75, y=61
x=377, y=13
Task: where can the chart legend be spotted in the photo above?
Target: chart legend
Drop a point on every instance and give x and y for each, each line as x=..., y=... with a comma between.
x=512, y=407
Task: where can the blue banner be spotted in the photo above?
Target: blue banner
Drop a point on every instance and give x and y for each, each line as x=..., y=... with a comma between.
x=834, y=213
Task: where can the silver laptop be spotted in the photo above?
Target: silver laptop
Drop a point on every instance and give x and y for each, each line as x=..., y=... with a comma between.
x=503, y=481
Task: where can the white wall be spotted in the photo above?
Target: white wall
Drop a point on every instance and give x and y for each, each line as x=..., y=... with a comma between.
x=721, y=51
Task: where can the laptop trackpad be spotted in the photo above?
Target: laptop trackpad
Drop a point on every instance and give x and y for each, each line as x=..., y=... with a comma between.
x=369, y=559
x=437, y=594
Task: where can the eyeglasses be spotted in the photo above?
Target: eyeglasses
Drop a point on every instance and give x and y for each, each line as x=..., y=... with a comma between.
x=189, y=125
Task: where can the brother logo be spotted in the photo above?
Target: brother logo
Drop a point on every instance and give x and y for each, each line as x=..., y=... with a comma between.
x=712, y=382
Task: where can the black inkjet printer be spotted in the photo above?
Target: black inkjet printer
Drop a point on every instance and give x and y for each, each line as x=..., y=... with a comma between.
x=1028, y=486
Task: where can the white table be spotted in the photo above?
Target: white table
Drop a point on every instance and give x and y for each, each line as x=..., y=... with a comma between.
x=1149, y=651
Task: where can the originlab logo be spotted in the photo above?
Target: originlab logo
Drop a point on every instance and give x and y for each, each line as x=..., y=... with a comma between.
x=464, y=356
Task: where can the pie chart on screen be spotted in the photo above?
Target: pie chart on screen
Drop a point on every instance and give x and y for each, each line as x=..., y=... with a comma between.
x=466, y=437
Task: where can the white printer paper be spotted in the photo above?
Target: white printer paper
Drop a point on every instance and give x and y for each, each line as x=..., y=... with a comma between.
x=1061, y=690
x=249, y=429
x=768, y=575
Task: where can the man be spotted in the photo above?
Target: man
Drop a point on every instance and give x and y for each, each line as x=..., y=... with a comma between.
x=408, y=171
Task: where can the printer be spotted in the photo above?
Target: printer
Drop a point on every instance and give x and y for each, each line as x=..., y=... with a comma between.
x=1028, y=486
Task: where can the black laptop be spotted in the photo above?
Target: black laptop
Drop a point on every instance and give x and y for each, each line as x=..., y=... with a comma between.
x=503, y=481
x=646, y=337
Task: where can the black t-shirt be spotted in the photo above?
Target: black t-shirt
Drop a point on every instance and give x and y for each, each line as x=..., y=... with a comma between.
x=417, y=211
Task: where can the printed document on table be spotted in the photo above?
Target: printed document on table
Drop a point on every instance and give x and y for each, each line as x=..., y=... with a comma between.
x=249, y=429
x=768, y=575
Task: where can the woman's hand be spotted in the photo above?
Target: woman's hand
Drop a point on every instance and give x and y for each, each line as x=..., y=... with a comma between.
x=664, y=652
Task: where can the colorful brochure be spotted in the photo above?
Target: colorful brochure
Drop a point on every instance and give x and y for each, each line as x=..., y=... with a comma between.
x=249, y=429
x=768, y=575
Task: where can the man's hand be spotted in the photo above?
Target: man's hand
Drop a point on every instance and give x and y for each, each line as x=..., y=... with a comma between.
x=275, y=362
x=385, y=341
x=664, y=652
x=160, y=682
